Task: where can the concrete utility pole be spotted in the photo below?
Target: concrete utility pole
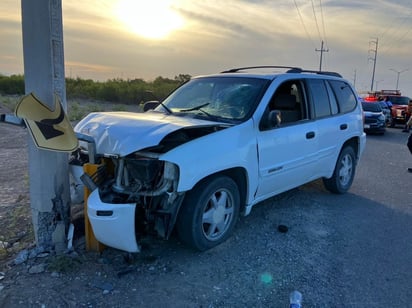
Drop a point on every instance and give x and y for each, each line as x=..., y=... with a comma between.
x=44, y=75
x=322, y=50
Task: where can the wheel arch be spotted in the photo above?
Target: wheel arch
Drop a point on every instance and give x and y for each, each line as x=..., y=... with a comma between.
x=238, y=175
x=353, y=142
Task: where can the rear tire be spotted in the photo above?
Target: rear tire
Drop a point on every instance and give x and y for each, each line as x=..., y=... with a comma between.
x=344, y=172
x=209, y=213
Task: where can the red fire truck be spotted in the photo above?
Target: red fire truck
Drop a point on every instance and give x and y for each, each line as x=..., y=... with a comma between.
x=401, y=105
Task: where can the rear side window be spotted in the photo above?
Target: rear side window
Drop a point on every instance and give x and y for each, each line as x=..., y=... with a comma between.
x=344, y=95
x=320, y=97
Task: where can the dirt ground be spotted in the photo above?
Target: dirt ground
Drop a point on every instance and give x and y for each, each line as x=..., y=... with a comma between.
x=15, y=218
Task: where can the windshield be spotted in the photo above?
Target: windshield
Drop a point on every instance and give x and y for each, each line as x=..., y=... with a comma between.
x=399, y=100
x=217, y=98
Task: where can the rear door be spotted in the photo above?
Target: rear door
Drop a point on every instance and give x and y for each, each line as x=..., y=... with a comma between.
x=333, y=102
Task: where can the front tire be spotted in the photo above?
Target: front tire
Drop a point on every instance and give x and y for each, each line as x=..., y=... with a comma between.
x=344, y=172
x=209, y=213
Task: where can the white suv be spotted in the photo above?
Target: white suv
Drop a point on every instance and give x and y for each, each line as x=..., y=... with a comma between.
x=214, y=148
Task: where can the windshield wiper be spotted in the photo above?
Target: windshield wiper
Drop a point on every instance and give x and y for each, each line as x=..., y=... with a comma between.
x=200, y=109
x=195, y=108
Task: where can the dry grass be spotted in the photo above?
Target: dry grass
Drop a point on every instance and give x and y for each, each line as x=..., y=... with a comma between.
x=77, y=109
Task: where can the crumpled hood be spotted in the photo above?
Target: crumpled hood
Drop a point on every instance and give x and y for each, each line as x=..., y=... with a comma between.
x=122, y=133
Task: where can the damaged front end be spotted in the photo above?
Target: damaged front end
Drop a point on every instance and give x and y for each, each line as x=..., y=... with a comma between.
x=131, y=197
x=134, y=192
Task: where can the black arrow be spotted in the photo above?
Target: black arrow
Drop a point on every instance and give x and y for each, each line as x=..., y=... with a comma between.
x=46, y=126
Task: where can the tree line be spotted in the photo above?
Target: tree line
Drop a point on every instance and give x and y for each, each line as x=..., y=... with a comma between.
x=117, y=90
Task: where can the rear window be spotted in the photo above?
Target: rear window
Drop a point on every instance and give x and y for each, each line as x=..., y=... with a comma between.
x=344, y=95
x=372, y=107
x=399, y=100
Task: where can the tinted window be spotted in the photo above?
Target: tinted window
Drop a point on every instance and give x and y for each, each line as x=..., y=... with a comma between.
x=346, y=98
x=373, y=107
x=399, y=100
x=320, y=97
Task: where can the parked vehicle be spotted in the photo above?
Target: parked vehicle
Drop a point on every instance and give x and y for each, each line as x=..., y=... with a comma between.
x=214, y=148
x=374, y=118
x=400, y=111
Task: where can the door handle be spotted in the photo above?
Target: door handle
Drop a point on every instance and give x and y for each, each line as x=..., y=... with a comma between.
x=310, y=135
x=343, y=126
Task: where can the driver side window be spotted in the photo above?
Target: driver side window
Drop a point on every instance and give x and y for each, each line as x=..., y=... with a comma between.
x=286, y=106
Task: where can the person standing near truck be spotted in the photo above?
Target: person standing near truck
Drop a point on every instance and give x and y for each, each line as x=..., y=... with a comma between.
x=388, y=102
x=408, y=123
x=409, y=145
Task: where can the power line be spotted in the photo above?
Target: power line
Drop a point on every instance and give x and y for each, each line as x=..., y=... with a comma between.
x=322, y=48
x=392, y=34
x=316, y=20
x=323, y=22
x=303, y=24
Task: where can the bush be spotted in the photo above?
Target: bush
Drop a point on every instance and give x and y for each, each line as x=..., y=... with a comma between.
x=12, y=85
x=130, y=91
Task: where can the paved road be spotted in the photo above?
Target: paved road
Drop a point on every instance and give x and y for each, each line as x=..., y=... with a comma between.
x=377, y=236
x=370, y=231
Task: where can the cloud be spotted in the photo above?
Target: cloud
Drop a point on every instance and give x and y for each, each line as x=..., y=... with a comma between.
x=220, y=35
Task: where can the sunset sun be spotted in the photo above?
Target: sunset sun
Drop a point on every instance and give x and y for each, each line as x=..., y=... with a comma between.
x=153, y=19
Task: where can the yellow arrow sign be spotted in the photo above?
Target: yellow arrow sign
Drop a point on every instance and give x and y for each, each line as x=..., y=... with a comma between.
x=50, y=129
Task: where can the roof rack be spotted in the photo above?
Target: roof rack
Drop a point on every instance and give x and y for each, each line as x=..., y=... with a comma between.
x=322, y=73
x=291, y=69
x=234, y=70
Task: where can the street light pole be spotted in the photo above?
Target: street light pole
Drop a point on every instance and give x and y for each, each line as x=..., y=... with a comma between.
x=397, y=79
x=376, y=84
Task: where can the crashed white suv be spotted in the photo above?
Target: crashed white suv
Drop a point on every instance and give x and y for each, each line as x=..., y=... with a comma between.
x=214, y=148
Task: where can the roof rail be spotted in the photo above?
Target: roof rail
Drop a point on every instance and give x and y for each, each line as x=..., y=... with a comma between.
x=234, y=70
x=291, y=69
x=323, y=73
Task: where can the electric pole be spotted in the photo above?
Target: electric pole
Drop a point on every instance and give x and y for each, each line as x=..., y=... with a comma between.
x=44, y=75
x=322, y=50
x=375, y=52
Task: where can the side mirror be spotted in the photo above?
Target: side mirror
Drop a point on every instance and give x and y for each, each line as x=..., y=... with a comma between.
x=274, y=118
x=149, y=105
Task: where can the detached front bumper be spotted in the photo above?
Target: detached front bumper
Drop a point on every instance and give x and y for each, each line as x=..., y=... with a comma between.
x=113, y=224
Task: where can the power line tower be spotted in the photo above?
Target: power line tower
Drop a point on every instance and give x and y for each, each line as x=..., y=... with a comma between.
x=322, y=50
x=375, y=54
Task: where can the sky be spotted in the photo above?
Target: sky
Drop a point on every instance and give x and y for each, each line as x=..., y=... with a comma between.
x=105, y=39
